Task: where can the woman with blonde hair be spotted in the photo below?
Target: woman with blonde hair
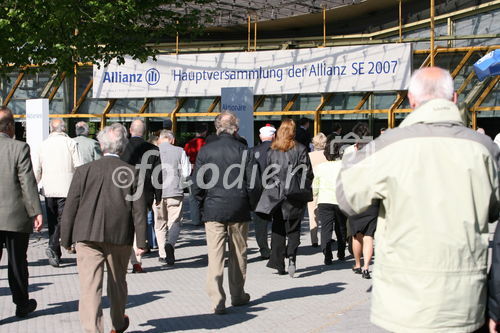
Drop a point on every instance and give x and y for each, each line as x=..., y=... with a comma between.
x=285, y=195
x=317, y=157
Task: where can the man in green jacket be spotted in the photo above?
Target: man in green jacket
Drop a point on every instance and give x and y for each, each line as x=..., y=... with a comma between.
x=20, y=210
x=437, y=181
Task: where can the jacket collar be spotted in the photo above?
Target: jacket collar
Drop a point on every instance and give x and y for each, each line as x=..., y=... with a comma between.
x=437, y=110
x=4, y=135
x=59, y=133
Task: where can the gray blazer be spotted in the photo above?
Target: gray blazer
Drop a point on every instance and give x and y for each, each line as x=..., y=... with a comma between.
x=88, y=148
x=19, y=200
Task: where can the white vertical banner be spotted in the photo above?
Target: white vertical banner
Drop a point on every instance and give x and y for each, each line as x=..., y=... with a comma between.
x=37, y=124
x=239, y=100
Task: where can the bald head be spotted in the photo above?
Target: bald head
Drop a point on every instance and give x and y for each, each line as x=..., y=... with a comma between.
x=137, y=128
x=430, y=83
x=57, y=125
x=6, y=121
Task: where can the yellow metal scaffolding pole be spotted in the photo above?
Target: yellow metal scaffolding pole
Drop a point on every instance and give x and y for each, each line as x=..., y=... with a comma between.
x=433, y=49
x=13, y=89
x=400, y=21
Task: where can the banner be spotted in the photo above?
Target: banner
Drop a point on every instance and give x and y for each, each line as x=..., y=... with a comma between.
x=240, y=101
x=37, y=124
x=320, y=70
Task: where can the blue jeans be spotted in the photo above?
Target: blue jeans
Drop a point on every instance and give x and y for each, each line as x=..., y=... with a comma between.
x=151, y=230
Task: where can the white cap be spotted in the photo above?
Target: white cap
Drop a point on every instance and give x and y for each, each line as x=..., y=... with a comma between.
x=267, y=131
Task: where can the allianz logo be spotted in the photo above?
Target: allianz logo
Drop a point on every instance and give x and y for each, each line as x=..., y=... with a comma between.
x=151, y=77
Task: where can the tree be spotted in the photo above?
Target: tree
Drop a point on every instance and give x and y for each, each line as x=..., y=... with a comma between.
x=56, y=34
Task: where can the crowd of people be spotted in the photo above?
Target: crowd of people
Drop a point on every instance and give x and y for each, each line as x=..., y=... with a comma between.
x=424, y=193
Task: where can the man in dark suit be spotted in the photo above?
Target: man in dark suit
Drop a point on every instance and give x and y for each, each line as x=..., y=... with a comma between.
x=226, y=194
x=20, y=210
x=261, y=221
x=302, y=133
x=134, y=152
x=103, y=209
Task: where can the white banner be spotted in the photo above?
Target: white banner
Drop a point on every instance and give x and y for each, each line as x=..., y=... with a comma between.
x=319, y=70
x=37, y=124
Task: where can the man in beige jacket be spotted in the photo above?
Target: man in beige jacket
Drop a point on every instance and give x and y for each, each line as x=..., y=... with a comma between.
x=57, y=160
x=437, y=181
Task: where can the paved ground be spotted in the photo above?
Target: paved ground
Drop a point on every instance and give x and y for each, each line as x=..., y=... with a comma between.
x=319, y=299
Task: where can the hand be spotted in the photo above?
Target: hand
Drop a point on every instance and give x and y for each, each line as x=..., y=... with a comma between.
x=140, y=252
x=38, y=222
x=492, y=325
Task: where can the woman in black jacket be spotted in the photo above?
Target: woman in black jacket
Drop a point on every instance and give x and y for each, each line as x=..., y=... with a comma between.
x=286, y=193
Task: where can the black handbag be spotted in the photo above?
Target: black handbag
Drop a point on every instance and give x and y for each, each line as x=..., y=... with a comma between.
x=295, y=185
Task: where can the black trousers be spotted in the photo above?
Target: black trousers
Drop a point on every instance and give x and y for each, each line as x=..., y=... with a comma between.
x=17, y=246
x=55, y=207
x=281, y=230
x=330, y=215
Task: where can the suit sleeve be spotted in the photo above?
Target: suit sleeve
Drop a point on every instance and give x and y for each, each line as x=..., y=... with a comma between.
x=198, y=191
x=253, y=179
x=28, y=183
x=70, y=210
x=139, y=215
x=494, y=279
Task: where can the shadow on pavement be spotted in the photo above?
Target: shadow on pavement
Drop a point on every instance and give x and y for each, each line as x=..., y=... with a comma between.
x=318, y=269
x=72, y=306
x=238, y=315
x=200, y=322
x=5, y=291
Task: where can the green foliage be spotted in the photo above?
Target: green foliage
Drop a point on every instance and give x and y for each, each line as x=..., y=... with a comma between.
x=56, y=34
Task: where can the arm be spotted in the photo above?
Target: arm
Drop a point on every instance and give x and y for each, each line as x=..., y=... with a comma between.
x=75, y=154
x=97, y=151
x=253, y=179
x=185, y=165
x=139, y=216
x=70, y=210
x=494, y=279
x=27, y=182
x=198, y=192
x=316, y=185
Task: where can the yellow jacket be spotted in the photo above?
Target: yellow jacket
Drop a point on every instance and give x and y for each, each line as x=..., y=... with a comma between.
x=438, y=184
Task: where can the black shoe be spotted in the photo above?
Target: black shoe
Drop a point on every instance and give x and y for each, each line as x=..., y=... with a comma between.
x=54, y=260
x=357, y=270
x=315, y=245
x=365, y=274
x=291, y=267
x=341, y=255
x=220, y=311
x=328, y=261
x=245, y=300
x=23, y=311
x=170, y=258
x=281, y=272
x=162, y=260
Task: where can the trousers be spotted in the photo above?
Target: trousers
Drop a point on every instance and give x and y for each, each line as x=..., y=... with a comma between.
x=236, y=235
x=55, y=207
x=281, y=231
x=91, y=258
x=17, y=264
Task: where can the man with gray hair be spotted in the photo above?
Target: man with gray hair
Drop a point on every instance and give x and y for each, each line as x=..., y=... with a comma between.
x=438, y=186
x=88, y=148
x=57, y=160
x=175, y=168
x=227, y=193
x=101, y=219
